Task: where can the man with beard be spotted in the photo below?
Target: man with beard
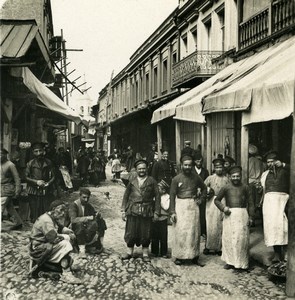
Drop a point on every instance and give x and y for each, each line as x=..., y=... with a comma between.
x=141, y=202
x=203, y=173
x=10, y=187
x=187, y=192
x=239, y=213
x=50, y=245
x=213, y=216
x=275, y=183
x=163, y=169
x=40, y=178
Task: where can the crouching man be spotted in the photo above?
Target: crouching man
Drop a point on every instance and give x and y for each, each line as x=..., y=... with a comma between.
x=238, y=216
x=50, y=245
x=88, y=225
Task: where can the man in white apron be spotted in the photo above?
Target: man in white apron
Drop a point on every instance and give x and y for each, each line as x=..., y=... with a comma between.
x=275, y=183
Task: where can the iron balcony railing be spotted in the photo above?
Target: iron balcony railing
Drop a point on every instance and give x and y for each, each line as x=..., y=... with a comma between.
x=277, y=17
x=197, y=64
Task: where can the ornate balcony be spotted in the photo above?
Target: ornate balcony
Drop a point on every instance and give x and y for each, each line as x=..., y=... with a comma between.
x=196, y=65
x=274, y=19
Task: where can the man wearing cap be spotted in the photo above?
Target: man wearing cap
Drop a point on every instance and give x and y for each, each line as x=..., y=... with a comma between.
x=188, y=150
x=50, y=244
x=163, y=169
x=10, y=187
x=228, y=163
x=187, y=192
x=238, y=210
x=141, y=203
x=275, y=183
x=40, y=178
x=214, y=184
x=203, y=173
x=87, y=224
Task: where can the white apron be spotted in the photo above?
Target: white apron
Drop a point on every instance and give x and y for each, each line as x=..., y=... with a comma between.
x=187, y=230
x=275, y=222
x=235, y=238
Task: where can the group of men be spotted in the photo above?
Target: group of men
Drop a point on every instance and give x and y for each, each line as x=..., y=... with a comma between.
x=218, y=206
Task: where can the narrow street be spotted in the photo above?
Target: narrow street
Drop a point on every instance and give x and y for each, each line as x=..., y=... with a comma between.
x=105, y=276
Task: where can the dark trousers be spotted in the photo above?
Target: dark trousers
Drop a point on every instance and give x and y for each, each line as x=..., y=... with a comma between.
x=38, y=206
x=160, y=238
x=203, y=218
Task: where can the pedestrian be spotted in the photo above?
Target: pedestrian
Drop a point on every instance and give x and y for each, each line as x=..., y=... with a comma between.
x=151, y=155
x=51, y=244
x=141, y=203
x=129, y=158
x=275, y=183
x=152, y=162
x=83, y=163
x=116, y=164
x=87, y=224
x=238, y=212
x=214, y=184
x=187, y=192
x=10, y=188
x=95, y=169
x=40, y=179
x=159, y=246
x=163, y=169
x=203, y=173
x=188, y=150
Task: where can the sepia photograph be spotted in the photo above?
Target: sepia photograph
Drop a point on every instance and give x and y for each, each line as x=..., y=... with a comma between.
x=147, y=149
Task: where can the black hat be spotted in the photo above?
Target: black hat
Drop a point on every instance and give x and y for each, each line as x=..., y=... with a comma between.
x=4, y=151
x=38, y=145
x=218, y=162
x=186, y=157
x=271, y=155
x=140, y=161
x=198, y=155
x=235, y=169
x=229, y=159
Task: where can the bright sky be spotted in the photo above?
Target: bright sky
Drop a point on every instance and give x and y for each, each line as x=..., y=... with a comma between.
x=108, y=31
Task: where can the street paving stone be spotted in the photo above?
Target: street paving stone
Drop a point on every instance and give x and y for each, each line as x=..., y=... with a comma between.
x=105, y=276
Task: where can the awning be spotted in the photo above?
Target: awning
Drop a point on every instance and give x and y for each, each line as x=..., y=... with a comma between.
x=264, y=93
x=45, y=95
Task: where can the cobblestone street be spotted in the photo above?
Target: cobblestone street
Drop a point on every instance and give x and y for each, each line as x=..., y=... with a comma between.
x=105, y=276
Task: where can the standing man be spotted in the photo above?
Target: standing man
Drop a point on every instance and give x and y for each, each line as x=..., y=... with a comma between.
x=275, y=183
x=141, y=202
x=10, y=187
x=213, y=216
x=228, y=163
x=187, y=150
x=203, y=173
x=40, y=178
x=187, y=192
x=163, y=169
x=239, y=213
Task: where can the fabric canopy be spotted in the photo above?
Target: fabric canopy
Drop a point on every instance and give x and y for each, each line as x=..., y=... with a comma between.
x=46, y=96
x=265, y=91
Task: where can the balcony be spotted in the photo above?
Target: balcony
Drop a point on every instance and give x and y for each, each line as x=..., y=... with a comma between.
x=277, y=18
x=196, y=65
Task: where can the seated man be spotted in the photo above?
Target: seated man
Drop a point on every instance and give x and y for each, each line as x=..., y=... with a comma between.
x=89, y=226
x=50, y=245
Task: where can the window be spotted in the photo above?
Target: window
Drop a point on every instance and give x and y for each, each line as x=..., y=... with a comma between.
x=174, y=58
x=164, y=76
x=220, y=15
x=147, y=86
x=208, y=29
x=183, y=48
x=155, y=82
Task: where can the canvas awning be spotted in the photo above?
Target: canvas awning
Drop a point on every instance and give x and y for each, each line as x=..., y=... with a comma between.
x=45, y=95
x=265, y=93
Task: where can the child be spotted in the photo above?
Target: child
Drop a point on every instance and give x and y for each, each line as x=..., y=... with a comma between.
x=160, y=226
x=238, y=215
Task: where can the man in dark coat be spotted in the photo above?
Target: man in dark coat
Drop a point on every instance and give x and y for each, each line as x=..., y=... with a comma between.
x=141, y=202
x=188, y=150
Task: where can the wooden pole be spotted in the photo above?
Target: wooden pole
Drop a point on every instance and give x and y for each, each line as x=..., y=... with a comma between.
x=290, y=284
x=244, y=153
x=209, y=143
x=177, y=141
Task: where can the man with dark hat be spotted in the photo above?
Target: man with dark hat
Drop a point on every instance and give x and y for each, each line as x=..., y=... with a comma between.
x=50, y=244
x=213, y=216
x=275, y=183
x=228, y=163
x=141, y=203
x=187, y=192
x=238, y=212
x=203, y=173
x=10, y=188
x=163, y=169
x=188, y=150
x=40, y=178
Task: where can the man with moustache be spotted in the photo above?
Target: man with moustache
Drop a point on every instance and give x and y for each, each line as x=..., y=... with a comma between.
x=40, y=178
x=141, y=203
x=187, y=192
x=275, y=183
x=238, y=212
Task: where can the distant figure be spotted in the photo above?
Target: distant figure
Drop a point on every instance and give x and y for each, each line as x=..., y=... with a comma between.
x=83, y=163
x=238, y=212
x=151, y=155
x=116, y=164
x=228, y=163
x=40, y=177
x=187, y=150
x=129, y=158
x=10, y=188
